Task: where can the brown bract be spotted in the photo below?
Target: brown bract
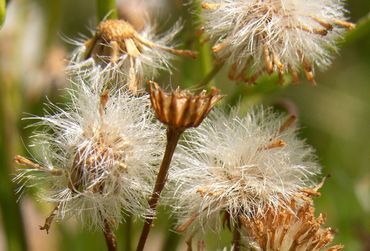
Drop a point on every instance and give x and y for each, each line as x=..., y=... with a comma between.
x=292, y=228
x=181, y=109
x=112, y=38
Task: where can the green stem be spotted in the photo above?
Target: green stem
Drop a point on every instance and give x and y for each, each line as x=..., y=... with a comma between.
x=210, y=76
x=2, y=11
x=205, y=54
x=128, y=233
x=106, y=9
x=362, y=29
x=11, y=216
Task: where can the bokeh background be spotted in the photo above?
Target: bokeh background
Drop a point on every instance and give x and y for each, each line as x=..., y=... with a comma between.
x=334, y=117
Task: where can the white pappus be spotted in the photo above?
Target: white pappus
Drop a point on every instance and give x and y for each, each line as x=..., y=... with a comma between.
x=231, y=167
x=98, y=157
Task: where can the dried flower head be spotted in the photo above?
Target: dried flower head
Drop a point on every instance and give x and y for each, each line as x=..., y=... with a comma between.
x=181, y=109
x=118, y=51
x=295, y=228
x=98, y=157
x=233, y=166
x=280, y=36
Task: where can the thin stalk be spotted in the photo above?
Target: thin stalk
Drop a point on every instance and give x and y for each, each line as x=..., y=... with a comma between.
x=209, y=77
x=106, y=9
x=205, y=55
x=128, y=233
x=110, y=238
x=12, y=219
x=173, y=136
x=237, y=235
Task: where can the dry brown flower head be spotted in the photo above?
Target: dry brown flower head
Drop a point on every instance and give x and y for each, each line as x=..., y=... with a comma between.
x=292, y=228
x=114, y=37
x=181, y=109
x=116, y=41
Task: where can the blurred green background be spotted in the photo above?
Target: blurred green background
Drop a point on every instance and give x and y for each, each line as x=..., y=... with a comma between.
x=334, y=116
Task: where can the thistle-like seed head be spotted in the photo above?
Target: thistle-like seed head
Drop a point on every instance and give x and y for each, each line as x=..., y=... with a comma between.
x=181, y=109
x=231, y=166
x=98, y=157
x=266, y=36
x=292, y=228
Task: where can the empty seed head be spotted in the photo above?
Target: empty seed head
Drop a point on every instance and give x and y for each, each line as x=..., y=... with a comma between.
x=181, y=109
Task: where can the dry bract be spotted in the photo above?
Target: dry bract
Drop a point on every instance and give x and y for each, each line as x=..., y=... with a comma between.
x=124, y=54
x=181, y=109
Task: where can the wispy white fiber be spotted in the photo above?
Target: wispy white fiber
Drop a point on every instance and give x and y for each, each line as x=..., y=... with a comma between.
x=105, y=150
x=238, y=166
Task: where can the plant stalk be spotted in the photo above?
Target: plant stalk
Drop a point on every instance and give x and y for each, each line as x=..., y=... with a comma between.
x=237, y=235
x=209, y=77
x=173, y=136
x=110, y=238
x=106, y=9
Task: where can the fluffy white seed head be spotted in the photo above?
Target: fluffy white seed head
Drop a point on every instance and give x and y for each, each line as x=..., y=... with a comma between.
x=98, y=157
x=233, y=166
x=118, y=52
x=275, y=35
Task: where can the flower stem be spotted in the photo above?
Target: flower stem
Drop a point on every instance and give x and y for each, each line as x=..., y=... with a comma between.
x=208, y=78
x=205, y=54
x=237, y=235
x=128, y=232
x=110, y=238
x=173, y=136
x=106, y=9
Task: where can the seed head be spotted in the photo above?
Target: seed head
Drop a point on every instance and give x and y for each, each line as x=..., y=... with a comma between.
x=117, y=51
x=280, y=36
x=233, y=166
x=98, y=157
x=181, y=109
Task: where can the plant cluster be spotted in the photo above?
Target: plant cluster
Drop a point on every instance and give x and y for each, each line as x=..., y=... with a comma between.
x=121, y=147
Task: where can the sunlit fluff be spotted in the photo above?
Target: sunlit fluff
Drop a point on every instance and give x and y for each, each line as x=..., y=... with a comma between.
x=117, y=51
x=274, y=35
x=232, y=166
x=98, y=156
